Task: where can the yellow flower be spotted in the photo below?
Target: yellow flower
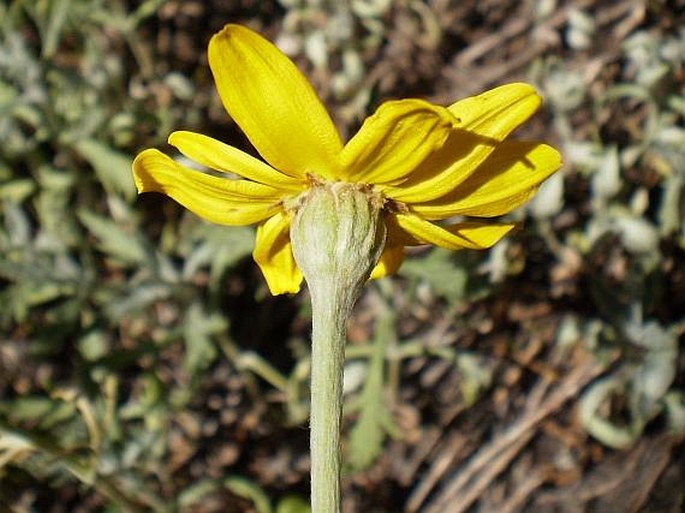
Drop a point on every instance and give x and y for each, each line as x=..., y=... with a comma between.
x=425, y=162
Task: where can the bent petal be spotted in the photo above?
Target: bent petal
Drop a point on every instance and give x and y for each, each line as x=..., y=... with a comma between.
x=218, y=200
x=268, y=97
x=485, y=121
x=506, y=180
x=390, y=260
x=394, y=141
x=499, y=111
x=274, y=255
x=220, y=156
x=466, y=235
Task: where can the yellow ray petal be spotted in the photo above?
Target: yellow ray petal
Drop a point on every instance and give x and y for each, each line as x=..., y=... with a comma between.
x=268, y=97
x=274, y=255
x=219, y=200
x=390, y=260
x=466, y=235
x=222, y=157
x=485, y=121
x=495, y=113
x=506, y=180
x=395, y=140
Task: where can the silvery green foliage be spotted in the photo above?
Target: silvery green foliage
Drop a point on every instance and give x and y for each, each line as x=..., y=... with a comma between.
x=641, y=218
x=78, y=270
x=580, y=30
x=345, y=41
x=325, y=31
x=645, y=382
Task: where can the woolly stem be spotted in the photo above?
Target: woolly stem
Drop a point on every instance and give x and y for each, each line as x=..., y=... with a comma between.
x=328, y=356
x=337, y=238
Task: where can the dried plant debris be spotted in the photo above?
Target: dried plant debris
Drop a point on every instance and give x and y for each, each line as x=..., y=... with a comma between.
x=143, y=366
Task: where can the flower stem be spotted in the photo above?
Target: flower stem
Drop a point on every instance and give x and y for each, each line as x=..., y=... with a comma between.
x=337, y=238
x=328, y=356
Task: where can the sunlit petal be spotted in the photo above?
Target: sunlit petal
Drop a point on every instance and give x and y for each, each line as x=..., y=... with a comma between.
x=268, y=97
x=466, y=235
x=219, y=200
x=222, y=157
x=506, y=180
x=273, y=252
x=497, y=112
x=485, y=121
x=395, y=140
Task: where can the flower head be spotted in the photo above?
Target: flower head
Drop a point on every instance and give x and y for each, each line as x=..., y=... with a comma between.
x=423, y=163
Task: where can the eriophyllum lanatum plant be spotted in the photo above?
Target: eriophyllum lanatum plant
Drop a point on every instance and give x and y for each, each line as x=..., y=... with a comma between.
x=337, y=214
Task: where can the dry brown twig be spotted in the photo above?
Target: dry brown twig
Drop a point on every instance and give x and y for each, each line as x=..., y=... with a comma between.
x=487, y=463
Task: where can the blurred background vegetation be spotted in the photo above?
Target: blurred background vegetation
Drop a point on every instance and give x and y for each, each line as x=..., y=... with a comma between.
x=144, y=366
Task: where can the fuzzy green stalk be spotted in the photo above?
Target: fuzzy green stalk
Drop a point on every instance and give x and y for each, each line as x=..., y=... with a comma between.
x=337, y=238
